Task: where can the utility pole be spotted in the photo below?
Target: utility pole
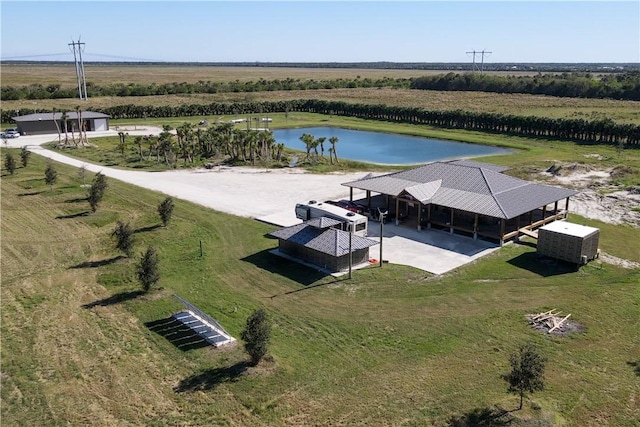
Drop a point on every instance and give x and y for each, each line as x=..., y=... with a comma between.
x=350, y=248
x=381, y=216
x=474, y=66
x=77, y=48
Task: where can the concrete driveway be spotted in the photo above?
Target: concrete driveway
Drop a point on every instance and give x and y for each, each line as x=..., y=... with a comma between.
x=271, y=196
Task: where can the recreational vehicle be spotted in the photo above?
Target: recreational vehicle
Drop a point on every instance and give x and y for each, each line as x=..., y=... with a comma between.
x=313, y=209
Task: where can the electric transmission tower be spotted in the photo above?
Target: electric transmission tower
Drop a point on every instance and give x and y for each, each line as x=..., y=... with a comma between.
x=78, y=48
x=474, y=66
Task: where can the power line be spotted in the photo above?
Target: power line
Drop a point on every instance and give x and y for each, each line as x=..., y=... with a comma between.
x=10, y=58
x=474, y=66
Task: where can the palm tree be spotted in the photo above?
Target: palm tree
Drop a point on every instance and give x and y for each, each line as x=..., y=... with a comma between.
x=64, y=118
x=55, y=122
x=308, y=142
x=334, y=140
x=321, y=142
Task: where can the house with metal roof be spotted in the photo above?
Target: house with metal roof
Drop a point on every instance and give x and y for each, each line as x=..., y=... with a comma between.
x=45, y=123
x=321, y=242
x=466, y=197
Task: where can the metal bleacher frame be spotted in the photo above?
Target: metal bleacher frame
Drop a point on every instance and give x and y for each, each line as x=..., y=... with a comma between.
x=206, y=320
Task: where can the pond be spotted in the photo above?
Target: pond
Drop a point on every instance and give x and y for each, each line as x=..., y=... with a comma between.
x=386, y=148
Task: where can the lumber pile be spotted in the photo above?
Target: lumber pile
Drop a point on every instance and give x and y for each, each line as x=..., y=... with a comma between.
x=549, y=321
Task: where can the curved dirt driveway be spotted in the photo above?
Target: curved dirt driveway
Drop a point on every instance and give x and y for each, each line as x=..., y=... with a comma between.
x=268, y=195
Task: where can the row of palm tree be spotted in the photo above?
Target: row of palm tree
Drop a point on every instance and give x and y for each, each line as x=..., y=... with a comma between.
x=312, y=143
x=219, y=142
x=67, y=123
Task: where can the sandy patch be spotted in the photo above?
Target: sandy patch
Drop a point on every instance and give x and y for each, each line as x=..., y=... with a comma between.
x=598, y=198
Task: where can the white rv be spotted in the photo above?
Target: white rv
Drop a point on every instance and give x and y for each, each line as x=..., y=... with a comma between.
x=313, y=209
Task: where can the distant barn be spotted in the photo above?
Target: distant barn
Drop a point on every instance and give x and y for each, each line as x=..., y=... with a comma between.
x=45, y=123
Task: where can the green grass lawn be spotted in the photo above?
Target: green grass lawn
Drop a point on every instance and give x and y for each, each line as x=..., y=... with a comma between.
x=392, y=346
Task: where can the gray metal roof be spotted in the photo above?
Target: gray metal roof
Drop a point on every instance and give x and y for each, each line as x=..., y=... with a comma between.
x=71, y=115
x=330, y=241
x=466, y=185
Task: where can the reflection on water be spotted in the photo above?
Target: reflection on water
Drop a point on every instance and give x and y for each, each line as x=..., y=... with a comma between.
x=386, y=148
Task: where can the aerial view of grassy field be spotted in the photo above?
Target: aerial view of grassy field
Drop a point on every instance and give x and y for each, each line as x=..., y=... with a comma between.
x=81, y=345
x=391, y=346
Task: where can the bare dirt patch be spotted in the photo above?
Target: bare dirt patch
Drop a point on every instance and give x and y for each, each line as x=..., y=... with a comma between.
x=598, y=198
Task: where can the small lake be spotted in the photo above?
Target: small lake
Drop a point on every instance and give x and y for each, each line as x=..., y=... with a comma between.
x=386, y=148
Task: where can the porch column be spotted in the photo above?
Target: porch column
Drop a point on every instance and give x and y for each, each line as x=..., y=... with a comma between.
x=555, y=208
x=397, y=213
x=451, y=222
x=544, y=213
x=429, y=215
x=502, y=224
x=351, y=193
x=419, y=215
x=566, y=208
x=475, y=227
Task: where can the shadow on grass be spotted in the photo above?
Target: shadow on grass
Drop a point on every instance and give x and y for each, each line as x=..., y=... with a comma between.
x=636, y=366
x=114, y=299
x=177, y=334
x=33, y=193
x=481, y=417
x=284, y=267
x=75, y=215
x=100, y=263
x=147, y=229
x=211, y=378
x=306, y=288
x=77, y=200
x=542, y=266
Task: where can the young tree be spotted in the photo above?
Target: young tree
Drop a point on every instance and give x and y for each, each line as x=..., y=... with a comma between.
x=50, y=175
x=96, y=191
x=24, y=156
x=10, y=163
x=527, y=370
x=124, y=237
x=82, y=174
x=256, y=335
x=165, y=210
x=147, y=270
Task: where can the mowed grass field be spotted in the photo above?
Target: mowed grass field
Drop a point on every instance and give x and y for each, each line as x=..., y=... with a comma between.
x=518, y=104
x=392, y=346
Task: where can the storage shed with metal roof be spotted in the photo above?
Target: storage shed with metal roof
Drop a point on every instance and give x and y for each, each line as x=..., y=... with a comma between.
x=45, y=123
x=318, y=241
x=466, y=197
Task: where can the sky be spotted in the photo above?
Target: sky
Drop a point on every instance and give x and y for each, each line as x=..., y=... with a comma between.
x=323, y=31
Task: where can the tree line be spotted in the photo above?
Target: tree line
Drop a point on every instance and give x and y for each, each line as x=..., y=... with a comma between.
x=56, y=91
x=602, y=131
x=624, y=86
x=575, y=85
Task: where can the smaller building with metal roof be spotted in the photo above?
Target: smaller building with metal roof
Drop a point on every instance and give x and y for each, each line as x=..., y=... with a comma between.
x=321, y=242
x=59, y=122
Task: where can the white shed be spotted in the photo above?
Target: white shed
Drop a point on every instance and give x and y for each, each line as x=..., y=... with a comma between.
x=569, y=242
